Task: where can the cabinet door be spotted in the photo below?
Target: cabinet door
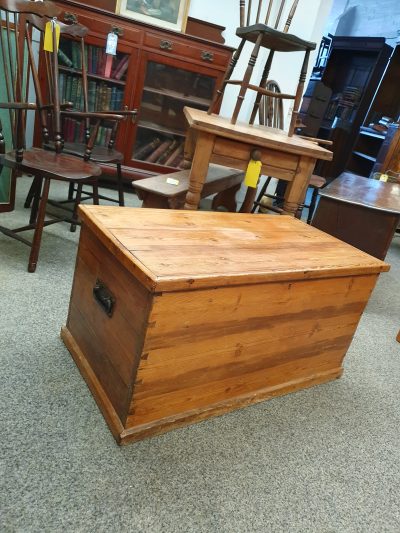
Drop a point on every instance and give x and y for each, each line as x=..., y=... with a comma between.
x=165, y=88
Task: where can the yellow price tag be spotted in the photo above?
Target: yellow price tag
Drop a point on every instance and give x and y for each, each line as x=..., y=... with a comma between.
x=48, y=35
x=252, y=173
x=384, y=177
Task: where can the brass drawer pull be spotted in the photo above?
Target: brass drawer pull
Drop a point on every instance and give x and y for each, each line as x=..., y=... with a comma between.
x=165, y=45
x=207, y=56
x=104, y=297
x=70, y=18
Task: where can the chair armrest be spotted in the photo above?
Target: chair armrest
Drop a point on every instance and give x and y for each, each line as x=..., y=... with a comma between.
x=64, y=105
x=17, y=105
x=93, y=115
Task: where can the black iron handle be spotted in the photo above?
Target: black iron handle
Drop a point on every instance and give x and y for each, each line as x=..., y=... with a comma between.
x=166, y=45
x=104, y=297
x=207, y=56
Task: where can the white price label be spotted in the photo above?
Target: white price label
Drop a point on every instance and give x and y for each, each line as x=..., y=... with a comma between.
x=172, y=181
x=112, y=41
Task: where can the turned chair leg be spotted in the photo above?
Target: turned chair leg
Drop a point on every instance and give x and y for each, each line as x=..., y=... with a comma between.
x=36, y=191
x=229, y=71
x=36, y=182
x=246, y=79
x=71, y=191
x=263, y=85
x=262, y=192
x=311, y=208
x=76, y=204
x=95, y=193
x=37, y=236
x=120, y=185
x=299, y=94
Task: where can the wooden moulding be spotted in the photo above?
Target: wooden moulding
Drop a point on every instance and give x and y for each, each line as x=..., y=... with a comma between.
x=126, y=436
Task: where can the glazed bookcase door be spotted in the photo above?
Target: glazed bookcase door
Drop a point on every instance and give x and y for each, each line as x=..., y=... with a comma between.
x=159, y=134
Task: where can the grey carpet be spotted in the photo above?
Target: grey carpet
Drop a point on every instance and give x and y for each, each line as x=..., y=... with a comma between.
x=322, y=460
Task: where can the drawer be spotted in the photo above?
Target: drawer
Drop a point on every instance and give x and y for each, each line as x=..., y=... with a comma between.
x=103, y=27
x=204, y=54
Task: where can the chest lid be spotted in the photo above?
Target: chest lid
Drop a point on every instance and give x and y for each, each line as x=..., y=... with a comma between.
x=170, y=250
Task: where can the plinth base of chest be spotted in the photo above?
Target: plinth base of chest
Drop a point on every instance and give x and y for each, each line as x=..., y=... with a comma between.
x=125, y=435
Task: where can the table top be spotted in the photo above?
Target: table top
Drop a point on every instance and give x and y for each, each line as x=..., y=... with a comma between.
x=169, y=250
x=357, y=190
x=257, y=135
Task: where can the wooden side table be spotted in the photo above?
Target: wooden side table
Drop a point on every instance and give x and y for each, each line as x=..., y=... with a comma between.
x=213, y=139
x=360, y=211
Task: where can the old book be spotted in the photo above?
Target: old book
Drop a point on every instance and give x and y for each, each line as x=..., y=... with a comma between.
x=147, y=149
x=123, y=67
x=163, y=157
x=152, y=158
x=171, y=161
x=64, y=59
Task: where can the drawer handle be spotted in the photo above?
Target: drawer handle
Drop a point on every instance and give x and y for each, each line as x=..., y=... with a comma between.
x=70, y=18
x=207, y=56
x=165, y=45
x=104, y=297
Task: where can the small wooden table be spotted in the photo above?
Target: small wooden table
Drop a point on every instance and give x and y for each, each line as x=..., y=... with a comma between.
x=360, y=211
x=213, y=139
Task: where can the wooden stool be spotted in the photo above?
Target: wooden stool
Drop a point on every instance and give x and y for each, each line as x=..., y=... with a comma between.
x=163, y=192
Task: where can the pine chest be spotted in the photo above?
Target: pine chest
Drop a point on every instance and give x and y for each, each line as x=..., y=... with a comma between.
x=176, y=316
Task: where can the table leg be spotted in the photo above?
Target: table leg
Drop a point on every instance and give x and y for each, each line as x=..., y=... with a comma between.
x=190, y=145
x=198, y=174
x=297, y=188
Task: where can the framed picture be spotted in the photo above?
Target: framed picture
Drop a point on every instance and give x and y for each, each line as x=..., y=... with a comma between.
x=170, y=14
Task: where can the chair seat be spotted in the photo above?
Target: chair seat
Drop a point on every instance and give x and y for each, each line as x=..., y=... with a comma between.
x=274, y=39
x=100, y=154
x=51, y=165
x=317, y=181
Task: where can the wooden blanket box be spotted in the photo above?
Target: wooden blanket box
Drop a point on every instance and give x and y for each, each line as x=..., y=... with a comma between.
x=176, y=316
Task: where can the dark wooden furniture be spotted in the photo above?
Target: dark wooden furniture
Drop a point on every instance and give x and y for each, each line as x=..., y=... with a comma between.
x=166, y=70
x=168, y=321
x=360, y=211
x=43, y=165
x=353, y=73
x=213, y=139
x=398, y=337
x=251, y=30
x=168, y=191
x=376, y=146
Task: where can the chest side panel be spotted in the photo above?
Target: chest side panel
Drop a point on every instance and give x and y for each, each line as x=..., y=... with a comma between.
x=112, y=345
x=210, y=347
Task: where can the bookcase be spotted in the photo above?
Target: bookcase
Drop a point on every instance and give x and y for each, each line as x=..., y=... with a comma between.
x=156, y=71
x=376, y=147
x=347, y=85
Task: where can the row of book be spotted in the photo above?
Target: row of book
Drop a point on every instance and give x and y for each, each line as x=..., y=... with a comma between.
x=168, y=152
x=74, y=131
x=101, y=97
x=69, y=54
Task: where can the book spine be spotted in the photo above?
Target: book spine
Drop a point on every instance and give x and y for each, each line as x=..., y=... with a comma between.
x=171, y=161
x=64, y=59
x=163, y=157
x=123, y=67
x=143, y=151
x=158, y=152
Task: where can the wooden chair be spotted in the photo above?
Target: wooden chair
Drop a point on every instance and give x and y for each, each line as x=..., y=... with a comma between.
x=264, y=36
x=17, y=20
x=88, y=150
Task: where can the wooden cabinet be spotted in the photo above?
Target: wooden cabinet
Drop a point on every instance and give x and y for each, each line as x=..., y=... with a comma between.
x=378, y=151
x=165, y=71
x=353, y=72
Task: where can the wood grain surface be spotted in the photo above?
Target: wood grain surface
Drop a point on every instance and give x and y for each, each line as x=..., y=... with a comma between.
x=257, y=135
x=357, y=190
x=179, y=250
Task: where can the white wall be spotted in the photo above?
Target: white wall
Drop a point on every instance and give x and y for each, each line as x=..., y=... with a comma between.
x=308, y=23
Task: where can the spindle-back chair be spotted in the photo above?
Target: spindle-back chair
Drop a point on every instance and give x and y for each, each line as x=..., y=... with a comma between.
x=18, y=18
x=265, y=36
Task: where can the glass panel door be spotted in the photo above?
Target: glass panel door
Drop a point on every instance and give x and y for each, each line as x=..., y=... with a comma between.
x=162, y=126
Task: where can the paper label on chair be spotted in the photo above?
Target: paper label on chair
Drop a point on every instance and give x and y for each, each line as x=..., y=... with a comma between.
x=253, y=173
x=48, y=35
x=172, y=181
x=112, y=41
